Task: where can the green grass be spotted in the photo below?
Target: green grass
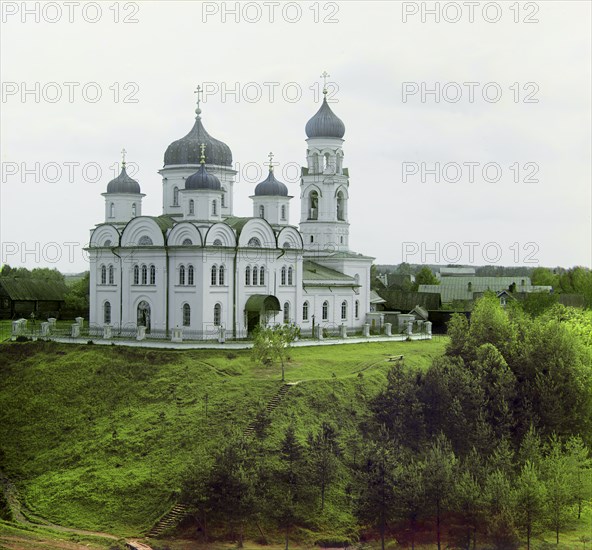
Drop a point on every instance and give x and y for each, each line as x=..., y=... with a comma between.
x=30, y=537
x=99, y=437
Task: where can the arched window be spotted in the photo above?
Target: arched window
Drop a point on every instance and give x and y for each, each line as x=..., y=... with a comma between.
x=313, y=205
x=223, y=198
x=145, y=240
x=103, y=275
x=343, y=310
x=186, y=315
x=255, y=272
x=133, y=210
x=214, y=275
x=111, y=275
x=325, y=310
x=221, y=276
x=214, y=208
x=357, y=309
x=326, y=160
x=290, y=276
x=248, y=276
x=190, y=275
x=144, y=275
x=175, y=196
x=191, y=207
x=283, y=211
x=311, y=239
x=261, y=275
x=187, y=242
x=107, y=242
x=107, y=313
x=217, y=242
x=136, y=275
x=182, y=275
x=261, y=211
x=286, y=245
x=217, y=315
x=340, y=206
x=283, y=276
x=152, y=275
x=254, y=242
x=286, y=312
x=305, y=311
x=112, y=210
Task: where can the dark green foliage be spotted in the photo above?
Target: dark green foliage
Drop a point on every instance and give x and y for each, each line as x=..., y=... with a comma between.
x=77, y=298
x=378, y=476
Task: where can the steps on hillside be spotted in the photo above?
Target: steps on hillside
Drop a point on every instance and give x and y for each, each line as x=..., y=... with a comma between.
x=270, y=407
x=169, y=520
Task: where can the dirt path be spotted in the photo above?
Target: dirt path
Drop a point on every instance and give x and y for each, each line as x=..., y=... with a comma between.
x=21, y=514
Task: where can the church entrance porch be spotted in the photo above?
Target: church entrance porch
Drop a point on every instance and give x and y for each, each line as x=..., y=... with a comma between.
x=258, y=309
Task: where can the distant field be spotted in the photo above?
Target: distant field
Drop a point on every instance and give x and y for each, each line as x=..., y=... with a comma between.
x=99, y=437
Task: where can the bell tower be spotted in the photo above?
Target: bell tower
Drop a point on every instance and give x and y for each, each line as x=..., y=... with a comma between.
x=324, y=184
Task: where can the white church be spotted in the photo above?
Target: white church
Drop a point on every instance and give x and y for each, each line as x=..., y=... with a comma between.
x=199, y=270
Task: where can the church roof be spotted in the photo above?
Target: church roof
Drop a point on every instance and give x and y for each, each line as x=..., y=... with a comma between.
x=271, y=187
x=325, y=123
x=311, y=271
x=123, y=184
x=202, y=179
x=187, y=149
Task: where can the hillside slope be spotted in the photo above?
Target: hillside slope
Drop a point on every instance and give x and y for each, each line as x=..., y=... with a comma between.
x=100, y=437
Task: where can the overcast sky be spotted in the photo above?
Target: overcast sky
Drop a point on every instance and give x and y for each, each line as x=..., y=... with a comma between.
x=146, y=58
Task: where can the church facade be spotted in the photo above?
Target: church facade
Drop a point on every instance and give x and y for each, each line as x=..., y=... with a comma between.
x=200, y=270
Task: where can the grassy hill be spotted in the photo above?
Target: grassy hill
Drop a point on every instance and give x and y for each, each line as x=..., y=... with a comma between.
x=100, y=438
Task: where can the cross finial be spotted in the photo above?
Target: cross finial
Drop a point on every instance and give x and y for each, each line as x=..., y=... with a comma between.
x=123, y=152
x=199, y=93
x=202, y=159
x=270, y=162
x=324, y=76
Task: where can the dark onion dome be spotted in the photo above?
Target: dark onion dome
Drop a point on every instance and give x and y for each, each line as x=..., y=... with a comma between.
x=186, y=149
x=123, y=183
x=325, y=123
x=271, y=187
x=202, y=179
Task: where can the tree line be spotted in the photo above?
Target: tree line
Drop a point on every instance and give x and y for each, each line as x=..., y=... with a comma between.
x=485, y=448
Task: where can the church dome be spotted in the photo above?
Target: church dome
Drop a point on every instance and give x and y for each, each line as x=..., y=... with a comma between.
x=325, y=123
x=271, y=187
x=202, y=179
x=123, y=184
x=186, y=149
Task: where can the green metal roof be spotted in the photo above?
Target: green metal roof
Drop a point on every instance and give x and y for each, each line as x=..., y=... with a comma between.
x=33, y=289
x=313, y=272
x=457, y=288
x=164, y=222
x=236, y=223
x=266, y=302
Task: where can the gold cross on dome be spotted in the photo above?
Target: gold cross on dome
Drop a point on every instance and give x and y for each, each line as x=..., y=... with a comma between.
x=324, y=76
x=123, y=152
x=270, y=162
x=198, y=91
x=202, y=148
